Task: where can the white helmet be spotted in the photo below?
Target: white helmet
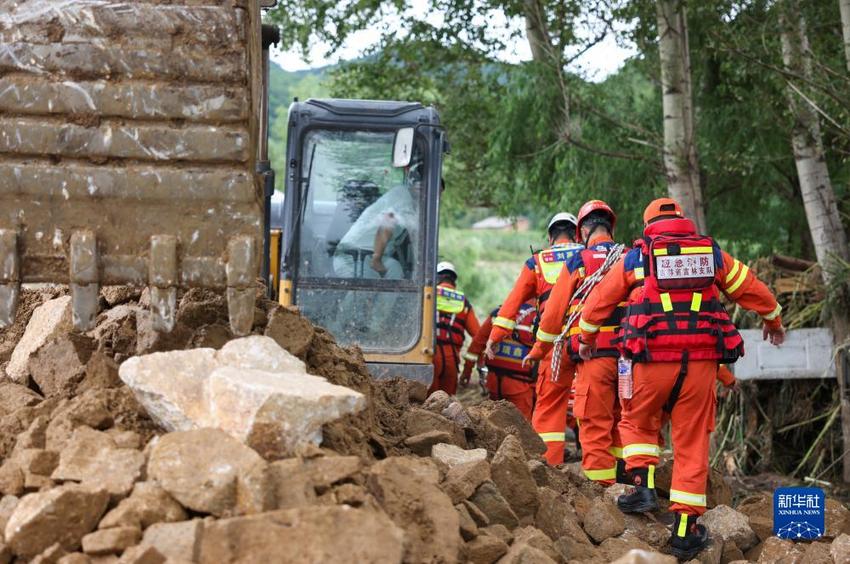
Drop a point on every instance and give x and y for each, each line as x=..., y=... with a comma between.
x=446, y=266
x=562, y=216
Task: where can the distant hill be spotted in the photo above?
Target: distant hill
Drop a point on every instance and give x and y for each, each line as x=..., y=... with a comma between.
x=286, y=85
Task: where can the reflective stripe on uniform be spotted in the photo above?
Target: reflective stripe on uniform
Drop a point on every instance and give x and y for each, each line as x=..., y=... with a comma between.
x=589, y=327
x=606, y=474
x=773, y=314
x=682, y=531
x=553, y=437
x=738, y=281
x=650, y=477
x=616, y=451
x=504, y=323
x=639, y=273
x=735, y=266
x=603, y=329
x=684, y=251
x=546, y=337
x=666, y=302
x=528, y=328
x=470, y=357
x=696, y=301
x=641, y=449
x=687, y=498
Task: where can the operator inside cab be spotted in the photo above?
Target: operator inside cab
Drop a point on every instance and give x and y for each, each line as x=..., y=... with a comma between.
x=382, y=241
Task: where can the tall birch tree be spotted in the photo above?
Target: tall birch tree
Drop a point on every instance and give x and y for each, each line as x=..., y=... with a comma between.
x=844, y=6
x=819, y=200
x=681, y=163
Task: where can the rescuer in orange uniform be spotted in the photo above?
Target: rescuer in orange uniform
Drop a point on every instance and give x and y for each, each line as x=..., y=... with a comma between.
x=455, y=317
x=536, y=280
x=507, y=376
x=596, y=406
x=676, y=332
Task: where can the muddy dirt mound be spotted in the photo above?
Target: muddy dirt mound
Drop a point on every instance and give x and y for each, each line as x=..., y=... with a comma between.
x=85, y=471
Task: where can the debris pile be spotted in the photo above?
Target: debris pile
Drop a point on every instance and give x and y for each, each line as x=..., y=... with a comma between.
x=162, y=468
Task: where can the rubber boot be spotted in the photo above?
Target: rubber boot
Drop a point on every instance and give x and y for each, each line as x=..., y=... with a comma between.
x=623, y=476
x=688, y=538
x=643, y=499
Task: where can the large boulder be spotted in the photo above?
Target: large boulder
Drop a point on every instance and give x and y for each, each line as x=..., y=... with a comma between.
x=775, y=549
x=178, y=542
x=639, y=556
x=485, y=549
x=452, y=455
x=252, y=388
x=513, y=478
x=492, y=421
x=462, y=480
x=308, y=534
x=418, y=506
x=490, y=501
x=206, y=470
x=49, y=320
x=726, y=524
x=61, y=515
x=59, y=365
x=92, y=458
x=148, y=504
x=840, y=549
x=557, y=518
x=603, y=520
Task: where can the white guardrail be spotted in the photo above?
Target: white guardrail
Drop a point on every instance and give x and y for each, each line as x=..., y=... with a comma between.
x=806, y=353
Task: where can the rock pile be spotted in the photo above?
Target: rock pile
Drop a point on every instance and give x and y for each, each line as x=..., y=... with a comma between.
x=89, y=476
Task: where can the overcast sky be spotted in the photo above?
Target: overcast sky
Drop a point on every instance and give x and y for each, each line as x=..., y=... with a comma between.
x=600, y=61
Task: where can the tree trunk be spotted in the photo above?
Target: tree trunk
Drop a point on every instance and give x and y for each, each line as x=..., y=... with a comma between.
x=680, y=153
x=542, y=50
x=818, y=197
x=844, y=6
x=815, y=184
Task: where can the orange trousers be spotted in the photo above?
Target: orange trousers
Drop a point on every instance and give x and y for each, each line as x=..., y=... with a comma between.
x=519, y=393
x=597, y=409
x=550, y=411
x=446, y=360
x=691, y=419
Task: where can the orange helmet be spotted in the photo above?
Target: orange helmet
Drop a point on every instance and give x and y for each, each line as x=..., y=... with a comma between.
x=590, y=207
x=662, y=207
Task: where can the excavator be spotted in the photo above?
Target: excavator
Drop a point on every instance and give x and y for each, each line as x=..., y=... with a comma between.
x=134, y=144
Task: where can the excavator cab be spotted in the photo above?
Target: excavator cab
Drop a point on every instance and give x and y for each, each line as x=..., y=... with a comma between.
x=359, y=223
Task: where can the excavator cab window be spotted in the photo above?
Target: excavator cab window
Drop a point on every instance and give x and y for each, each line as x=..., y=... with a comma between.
x=359, y=244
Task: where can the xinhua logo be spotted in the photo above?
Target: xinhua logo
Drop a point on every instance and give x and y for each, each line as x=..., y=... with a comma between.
x=798, y=513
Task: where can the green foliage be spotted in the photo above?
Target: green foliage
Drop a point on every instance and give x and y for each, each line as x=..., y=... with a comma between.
x=532, y=139
x=284, y=87
x=488, y=262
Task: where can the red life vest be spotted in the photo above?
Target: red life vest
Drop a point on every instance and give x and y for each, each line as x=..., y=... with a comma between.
x=607, y=343
x=511, y=350
x=679, y=306
x=452, y=311
x=548, y=265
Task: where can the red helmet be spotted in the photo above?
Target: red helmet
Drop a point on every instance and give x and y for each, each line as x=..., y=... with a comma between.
x=590, y=207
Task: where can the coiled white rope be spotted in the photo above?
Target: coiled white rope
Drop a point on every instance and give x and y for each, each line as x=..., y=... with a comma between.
x=614, y=254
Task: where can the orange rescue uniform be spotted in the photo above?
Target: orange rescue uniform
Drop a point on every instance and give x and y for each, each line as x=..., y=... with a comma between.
x=517, y=389
x=596, y=408
x=451, y=326
x=550, y=410
x=693, y=413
